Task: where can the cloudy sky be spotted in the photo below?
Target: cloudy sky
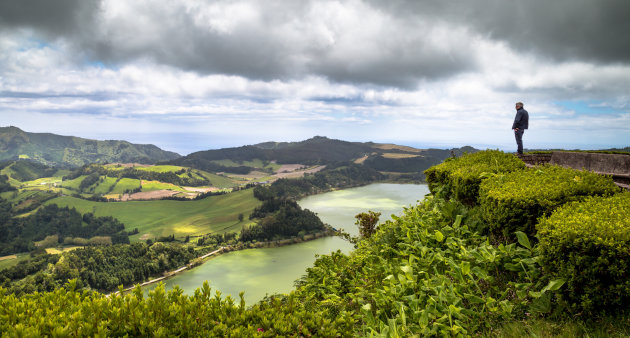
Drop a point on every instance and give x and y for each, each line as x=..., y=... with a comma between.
x=191, y=75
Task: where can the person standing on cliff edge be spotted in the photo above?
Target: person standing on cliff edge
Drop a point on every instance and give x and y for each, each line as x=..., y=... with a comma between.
x=521, y=122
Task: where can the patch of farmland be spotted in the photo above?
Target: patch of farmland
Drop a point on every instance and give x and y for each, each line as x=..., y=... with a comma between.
x=73, y=184
x=126, y=165
x=149, y=195
x=105, y=186
x=162, y=168
x=157, y=185
x=361, y=160
x=201, y=189
x=285, y=168
x=218, y=180
x=252, y=176
x=126, y=184
x=397, y=147
x=399, y=155
x=300, y=173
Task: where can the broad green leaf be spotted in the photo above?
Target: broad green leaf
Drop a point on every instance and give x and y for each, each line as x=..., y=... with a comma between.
x=523, y=240
x=439, y=236
x=554, y=285
x=465, y=268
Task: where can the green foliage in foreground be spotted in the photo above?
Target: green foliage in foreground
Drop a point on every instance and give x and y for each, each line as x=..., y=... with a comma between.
x=588, y=245
x=514, y=201
x=462, y=176
x=69, y=312
x=427, y=273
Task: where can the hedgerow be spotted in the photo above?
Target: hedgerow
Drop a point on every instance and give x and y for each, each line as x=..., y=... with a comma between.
x=514, y=201
x=588, y=244
x=461, y=176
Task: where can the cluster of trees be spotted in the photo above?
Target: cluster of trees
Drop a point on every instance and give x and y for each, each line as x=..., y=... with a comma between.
x=28, y=170
x=217, y=240
x=4, y=184
x=102, y=268
x=19, y=234
x=281, y=218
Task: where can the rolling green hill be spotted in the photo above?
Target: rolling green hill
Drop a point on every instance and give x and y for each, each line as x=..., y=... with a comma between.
x=65, y=151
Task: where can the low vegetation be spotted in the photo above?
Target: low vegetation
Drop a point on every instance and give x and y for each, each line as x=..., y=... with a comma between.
x=461, y=176
x=515, y=201
x=586, y=243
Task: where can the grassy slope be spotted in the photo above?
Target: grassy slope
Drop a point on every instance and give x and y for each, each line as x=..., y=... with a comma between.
x=7, y=263
x=161, y=168
x=126, y=184
x=73, y=184
x=156, y=185
x=218, y=181
x=104, y=187
x=162, y=218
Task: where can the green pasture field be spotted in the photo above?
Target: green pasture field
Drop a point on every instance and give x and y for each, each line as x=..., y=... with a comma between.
x=73, y=184
x=22, y=194
x=215, y=214
x=219, y=181
x=126, y=184
x=8, y=261
x=195, y=174
x=257, y=163
x=12, y=181
x=43, y=182
x=156, y=185
x=162, y=168
x=103, y=188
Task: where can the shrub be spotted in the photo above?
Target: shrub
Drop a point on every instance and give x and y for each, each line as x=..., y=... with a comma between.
x=588, y=244
x=461, y=176
x=514, y=201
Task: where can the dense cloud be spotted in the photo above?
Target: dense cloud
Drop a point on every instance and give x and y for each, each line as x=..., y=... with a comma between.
x=586, y=30
x=391, y=43
x=52, y=18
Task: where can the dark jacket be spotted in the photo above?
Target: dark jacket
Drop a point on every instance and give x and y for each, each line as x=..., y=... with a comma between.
x=521, y=121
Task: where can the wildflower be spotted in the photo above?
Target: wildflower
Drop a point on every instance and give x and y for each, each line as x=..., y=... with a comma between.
x=260, y=329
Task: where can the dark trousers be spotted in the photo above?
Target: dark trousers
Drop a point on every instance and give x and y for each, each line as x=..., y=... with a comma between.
x=519, y=140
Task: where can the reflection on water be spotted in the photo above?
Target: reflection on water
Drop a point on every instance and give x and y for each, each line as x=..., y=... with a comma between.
x=273, y=270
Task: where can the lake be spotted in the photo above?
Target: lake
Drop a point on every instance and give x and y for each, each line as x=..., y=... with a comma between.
x=264, y=271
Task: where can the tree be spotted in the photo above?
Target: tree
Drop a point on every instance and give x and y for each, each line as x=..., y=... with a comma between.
x=366, y=221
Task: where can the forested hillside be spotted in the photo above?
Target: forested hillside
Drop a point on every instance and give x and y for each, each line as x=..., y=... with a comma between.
x=319, y=150
x=57, y=150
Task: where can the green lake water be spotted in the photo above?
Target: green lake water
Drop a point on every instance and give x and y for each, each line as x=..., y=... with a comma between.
x=260, y=272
